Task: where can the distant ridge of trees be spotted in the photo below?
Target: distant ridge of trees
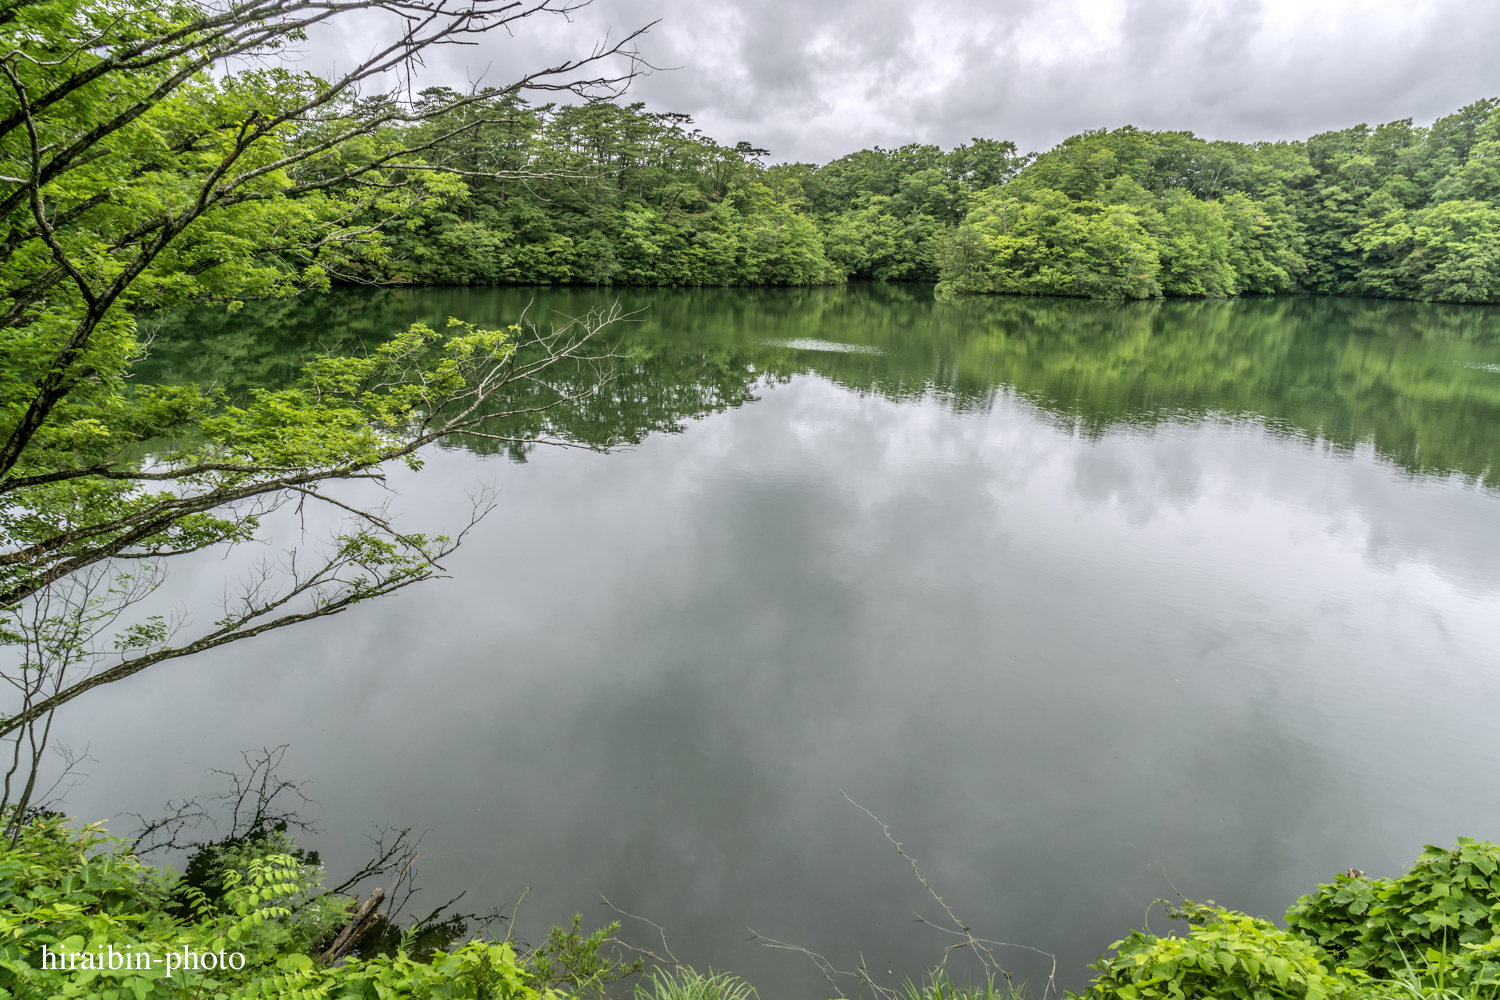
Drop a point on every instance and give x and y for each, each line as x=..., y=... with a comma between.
x=622, y=195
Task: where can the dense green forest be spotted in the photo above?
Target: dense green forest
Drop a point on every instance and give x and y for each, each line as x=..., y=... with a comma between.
x=620, y=195
x=609, y=194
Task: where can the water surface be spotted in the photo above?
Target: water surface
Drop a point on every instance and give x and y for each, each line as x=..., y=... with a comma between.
x=1086, y=602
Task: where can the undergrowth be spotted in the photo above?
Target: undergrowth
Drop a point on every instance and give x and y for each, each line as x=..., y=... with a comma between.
x=74, y=901
x=83, y=917
x=1432, y=933
x=686, y=984
x=938, y=986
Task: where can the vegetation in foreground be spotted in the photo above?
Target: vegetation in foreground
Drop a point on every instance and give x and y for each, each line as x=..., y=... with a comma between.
x=1431, y=932
x=258, y=923
x=79, y=898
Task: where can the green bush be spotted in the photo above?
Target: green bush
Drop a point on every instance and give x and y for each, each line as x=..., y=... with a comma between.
x=1430, y=933
x=1439, y=920
x=1226, y=954
x=81, y=900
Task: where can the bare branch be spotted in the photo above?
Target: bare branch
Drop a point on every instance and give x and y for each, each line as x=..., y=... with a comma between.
x=670, y=958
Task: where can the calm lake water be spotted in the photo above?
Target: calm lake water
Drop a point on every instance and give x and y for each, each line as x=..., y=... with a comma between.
x=1085, y=601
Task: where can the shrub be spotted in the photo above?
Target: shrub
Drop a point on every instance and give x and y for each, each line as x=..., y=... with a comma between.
x=1438, y=919
x=1228, y=954
x=82, y=893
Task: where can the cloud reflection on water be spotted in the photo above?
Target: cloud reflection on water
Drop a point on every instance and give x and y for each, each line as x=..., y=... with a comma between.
x=1057, y=664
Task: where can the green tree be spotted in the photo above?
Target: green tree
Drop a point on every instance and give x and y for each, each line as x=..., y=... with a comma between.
x=142, y=165
x=1048, y=244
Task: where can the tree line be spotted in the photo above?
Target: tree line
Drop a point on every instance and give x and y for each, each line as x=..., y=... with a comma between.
x=607, y=193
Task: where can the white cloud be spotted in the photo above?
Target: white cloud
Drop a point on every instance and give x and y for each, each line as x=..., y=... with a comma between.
x=812, y=80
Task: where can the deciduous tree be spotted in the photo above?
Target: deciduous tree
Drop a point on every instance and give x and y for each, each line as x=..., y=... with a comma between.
x=151, y=155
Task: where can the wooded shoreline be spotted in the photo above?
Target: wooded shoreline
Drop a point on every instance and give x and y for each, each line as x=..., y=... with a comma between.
x=622, y=195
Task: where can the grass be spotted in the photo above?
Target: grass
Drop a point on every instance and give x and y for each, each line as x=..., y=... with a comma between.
x=687, y=984
x=937, y=986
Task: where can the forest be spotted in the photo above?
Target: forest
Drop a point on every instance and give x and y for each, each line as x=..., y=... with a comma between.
x=604, y=193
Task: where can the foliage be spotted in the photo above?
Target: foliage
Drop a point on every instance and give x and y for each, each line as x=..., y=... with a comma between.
x=344, y=418
x=623, y=195
x=80, y=892
x=210, y=865
x=1442, y=915
x=1227, y=954
x=1046, y=245
x=603, y=194
x=684, y=983
x=886, y=214
x=487, y=187
x=1425, y=935
x=148, y=157
x=1127, y=214
x=939, y=986
x=569, y=958
x=1428, y=933
x=1395, y=211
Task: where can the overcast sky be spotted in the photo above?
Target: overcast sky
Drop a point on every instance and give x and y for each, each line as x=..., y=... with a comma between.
x=813, y=79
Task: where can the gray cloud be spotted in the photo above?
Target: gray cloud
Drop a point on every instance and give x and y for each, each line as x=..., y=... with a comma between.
x=812, y=79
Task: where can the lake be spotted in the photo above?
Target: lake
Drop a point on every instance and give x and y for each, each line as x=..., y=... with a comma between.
x=1090, y=604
